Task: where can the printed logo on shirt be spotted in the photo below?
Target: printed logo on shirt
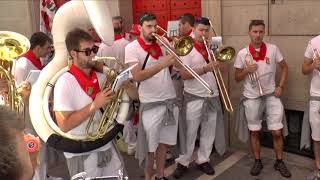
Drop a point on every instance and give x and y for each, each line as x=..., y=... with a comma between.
x=90, y=90
x=267, y=60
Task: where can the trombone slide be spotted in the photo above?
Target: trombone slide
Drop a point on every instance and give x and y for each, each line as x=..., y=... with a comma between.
x=217, y=73
x=188, y=68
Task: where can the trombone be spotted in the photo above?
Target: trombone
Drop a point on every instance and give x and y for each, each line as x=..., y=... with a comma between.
x=181, y=50
x=182, y=45
x=219, y=79
x=253, y=76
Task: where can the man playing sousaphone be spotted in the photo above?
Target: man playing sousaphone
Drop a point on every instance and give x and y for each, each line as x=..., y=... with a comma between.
x=77, y=96
x=262, y=59
x=202, y=109
x=158, y=111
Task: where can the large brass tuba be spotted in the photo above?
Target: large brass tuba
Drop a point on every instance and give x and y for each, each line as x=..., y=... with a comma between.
x=73, y=14
x=12, y=45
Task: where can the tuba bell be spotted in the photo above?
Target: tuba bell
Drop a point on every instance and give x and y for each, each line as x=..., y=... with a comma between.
x=12, y=45
x=89, y=13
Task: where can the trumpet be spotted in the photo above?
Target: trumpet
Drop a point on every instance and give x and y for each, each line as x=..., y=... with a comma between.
x=315, y=51
x=254, y=79
x=219, y=79
x=181, y=50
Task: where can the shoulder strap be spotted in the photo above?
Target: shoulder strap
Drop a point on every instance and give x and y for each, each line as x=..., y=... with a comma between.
x=144, y=65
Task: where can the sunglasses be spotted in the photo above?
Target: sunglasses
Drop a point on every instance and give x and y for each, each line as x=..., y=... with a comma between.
x=88, y=51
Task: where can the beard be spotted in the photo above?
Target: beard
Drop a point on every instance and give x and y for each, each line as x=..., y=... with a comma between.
x=149, y=38
x=117, y=30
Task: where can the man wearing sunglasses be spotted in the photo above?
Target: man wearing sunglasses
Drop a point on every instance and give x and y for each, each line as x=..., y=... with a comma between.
x=78, y=94
x=158, y=111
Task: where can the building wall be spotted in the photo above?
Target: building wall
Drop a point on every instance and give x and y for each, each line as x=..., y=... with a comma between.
x=21, y=20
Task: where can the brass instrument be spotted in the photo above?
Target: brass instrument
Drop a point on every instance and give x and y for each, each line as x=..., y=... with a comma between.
x=182, y=45
x=116, y=61
x=223, y=53
x=12, y=45
x=217, y=74
x=110, y=110
x=183, y=50
x=254, y=78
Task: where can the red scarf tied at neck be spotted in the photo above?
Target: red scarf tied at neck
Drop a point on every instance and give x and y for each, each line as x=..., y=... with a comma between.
x=262, y=53
x=33, y=59
x=117, y=37
x=89, y=84
x=153, y=49
x=201, y=48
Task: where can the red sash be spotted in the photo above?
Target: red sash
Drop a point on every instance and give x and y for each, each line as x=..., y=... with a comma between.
x=33, y=59
x=262, y=53
x=201, y=48
x=153, y=49
x=89, y=84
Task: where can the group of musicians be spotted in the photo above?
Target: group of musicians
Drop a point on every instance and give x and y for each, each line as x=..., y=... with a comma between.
x=175, y=108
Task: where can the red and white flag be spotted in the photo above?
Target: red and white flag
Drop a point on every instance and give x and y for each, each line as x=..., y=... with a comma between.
x=48, y=9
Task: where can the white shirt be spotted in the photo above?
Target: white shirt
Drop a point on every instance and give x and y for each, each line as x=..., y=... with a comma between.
x=191, y=34
x=266, y=72
x=315, y=81
x=158, y=87
x=22, y=68
x=195, y=60
x=116, y=50
x=69, y=96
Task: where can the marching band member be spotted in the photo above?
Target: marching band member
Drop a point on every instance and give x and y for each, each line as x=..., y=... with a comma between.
x=77, y=96
x=186, y=25
x=158, y=112
x=311, y=115
x=117, y=49
x=202, y=109
x=40, y=48
x=265, y=59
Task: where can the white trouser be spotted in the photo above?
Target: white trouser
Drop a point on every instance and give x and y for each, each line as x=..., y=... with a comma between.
x=274, y=113
x=91, y=166
x=207, y=134
x=155, y=129
x=315, y=120
x=129, y=133
x=40, y=172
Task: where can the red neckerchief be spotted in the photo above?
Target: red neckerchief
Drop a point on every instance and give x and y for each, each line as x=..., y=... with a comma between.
x=89, y=84
x=33, y=59
x=153, y=49
x=201, y=48
x=189, y=33
x=117, y=37
x=262, y=53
